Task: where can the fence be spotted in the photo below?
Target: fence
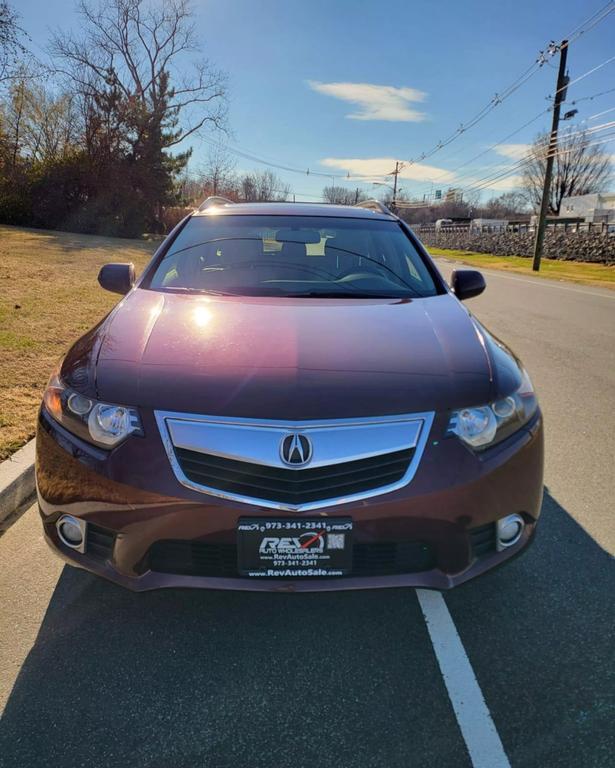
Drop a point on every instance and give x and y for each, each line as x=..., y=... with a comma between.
x=601, y=228
x=573, y=242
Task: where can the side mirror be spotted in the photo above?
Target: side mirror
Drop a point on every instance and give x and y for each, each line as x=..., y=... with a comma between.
x=467, y=283
x=117, y=278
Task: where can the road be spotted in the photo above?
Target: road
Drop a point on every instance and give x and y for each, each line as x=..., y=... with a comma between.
x=92, y=675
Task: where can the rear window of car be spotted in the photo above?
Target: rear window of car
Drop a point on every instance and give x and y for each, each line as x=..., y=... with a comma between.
x=300, y=256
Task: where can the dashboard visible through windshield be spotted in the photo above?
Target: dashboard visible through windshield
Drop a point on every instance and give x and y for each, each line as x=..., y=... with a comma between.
x=294, y=256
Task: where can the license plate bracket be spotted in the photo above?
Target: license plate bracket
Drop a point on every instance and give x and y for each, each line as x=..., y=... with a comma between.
x=294, y=547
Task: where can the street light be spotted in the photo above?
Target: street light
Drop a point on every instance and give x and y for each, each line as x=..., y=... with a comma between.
x=392, y=188
x=383, y=184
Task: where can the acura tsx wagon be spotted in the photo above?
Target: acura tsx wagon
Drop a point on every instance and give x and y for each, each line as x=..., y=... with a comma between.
x=290, y=397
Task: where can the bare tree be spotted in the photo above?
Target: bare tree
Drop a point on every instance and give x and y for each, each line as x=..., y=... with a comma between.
x=262, y=186
x=140, y=90
x=506, y=205
x=580, y=168
x=39, y=127
x=343, y=195
x=138, y=48
x=218, y=176
x=189, y=189
x=387, y=197
x=11, y=36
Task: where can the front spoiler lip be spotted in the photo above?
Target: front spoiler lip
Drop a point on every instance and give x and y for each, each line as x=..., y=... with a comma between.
x=433, y=579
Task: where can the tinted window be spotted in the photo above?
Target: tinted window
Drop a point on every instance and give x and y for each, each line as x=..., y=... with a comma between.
x=293, y=256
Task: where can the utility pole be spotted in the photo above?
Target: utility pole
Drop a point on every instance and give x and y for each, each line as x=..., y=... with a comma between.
x=398, y=167
x=560, y=96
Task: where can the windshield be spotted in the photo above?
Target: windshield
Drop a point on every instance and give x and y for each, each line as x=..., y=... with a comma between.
x=300, y=256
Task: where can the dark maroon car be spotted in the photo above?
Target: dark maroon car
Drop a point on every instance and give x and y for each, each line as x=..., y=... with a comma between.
x=289, y=398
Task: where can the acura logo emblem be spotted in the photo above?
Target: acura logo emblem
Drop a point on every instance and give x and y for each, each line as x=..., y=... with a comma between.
x=295, y=449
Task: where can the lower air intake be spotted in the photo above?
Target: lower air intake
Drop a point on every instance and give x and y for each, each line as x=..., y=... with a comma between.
x=197, y=558
x=100, y=542
x=482, y=540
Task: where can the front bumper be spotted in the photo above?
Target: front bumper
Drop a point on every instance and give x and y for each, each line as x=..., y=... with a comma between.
x=131, y=501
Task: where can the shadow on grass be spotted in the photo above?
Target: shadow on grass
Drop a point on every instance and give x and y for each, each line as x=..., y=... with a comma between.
x=179, y=678
x=78, y=241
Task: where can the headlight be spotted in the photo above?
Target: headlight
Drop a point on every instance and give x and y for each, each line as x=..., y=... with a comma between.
x=484, y=425
x=101, y=423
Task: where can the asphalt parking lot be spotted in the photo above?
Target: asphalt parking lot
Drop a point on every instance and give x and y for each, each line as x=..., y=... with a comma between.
x=93, y=675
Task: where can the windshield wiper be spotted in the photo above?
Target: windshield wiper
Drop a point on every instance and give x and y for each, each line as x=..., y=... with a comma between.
x=346, y=295
x=196, y=291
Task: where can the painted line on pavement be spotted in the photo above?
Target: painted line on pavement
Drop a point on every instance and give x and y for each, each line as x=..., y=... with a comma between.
x=471, y=711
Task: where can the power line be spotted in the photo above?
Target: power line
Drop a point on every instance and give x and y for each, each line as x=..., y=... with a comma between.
x=544, y=142
x=489, y=181
x=593, y=96
x=270, y=163
x=611, y=7
x=520, y=165
x=599, y=114
x=593, y=20
x=596, y=18
x=585, y=26
x=583, y=76
x=540, y=114
x=497, y=143
x=552, y=48
x=496, y=100
x=509, y=170
x=503, y=175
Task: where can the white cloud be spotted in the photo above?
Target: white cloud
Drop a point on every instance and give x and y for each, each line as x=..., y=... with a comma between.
x=376, y=102
x=375, y=168
x=514, y=151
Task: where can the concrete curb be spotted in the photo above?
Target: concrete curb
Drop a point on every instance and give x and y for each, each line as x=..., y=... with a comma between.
x=17, y=485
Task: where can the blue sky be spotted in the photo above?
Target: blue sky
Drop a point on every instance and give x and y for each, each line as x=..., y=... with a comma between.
x=346, y=87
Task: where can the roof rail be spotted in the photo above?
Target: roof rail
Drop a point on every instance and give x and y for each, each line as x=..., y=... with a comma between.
x=373, y=205
x=210, y=202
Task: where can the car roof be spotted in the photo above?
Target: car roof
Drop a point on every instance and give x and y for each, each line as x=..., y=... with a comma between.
x=294, y=209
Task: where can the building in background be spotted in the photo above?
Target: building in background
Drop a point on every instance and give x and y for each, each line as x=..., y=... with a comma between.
x=594, y=209
x=453, y=195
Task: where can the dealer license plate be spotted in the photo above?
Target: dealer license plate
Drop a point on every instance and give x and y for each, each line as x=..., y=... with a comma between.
x=291, y=548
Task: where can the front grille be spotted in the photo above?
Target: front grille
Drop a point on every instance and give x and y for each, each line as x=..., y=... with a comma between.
x=482, y=540
x=99, y=542
x=290, y=486
x=197, y=558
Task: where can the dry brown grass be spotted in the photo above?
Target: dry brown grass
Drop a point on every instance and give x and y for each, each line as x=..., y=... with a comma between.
x=49, y=296
x=574, y=271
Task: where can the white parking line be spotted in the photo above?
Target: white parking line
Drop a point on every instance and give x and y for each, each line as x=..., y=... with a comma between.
x=473, y=716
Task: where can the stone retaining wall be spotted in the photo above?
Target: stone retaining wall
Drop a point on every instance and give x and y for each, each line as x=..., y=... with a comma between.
x=571, y=246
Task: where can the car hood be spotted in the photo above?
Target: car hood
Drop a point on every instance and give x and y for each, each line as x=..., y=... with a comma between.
x=291, y=358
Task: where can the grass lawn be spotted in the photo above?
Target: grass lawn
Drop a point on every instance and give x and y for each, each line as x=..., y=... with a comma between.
x=578, y=272
x=48, y=297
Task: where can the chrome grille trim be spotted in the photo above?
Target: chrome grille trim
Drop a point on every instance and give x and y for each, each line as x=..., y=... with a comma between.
x=338, y=437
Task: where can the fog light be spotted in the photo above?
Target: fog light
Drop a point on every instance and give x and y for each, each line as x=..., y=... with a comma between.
x=71, y=531
x=509, y=530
